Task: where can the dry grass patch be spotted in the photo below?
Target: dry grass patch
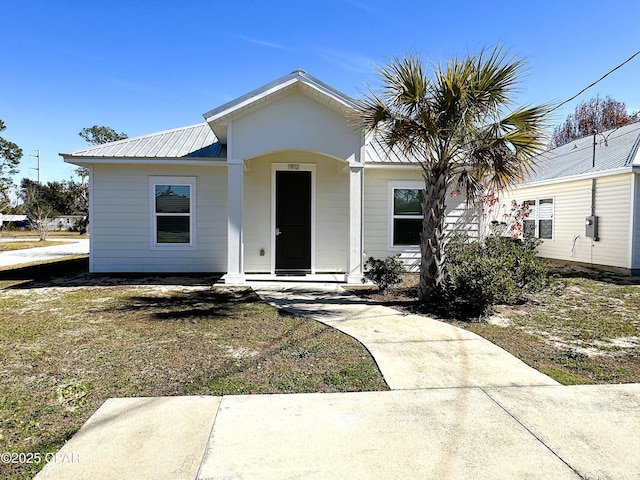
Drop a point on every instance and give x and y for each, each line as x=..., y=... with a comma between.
x=35, y=235
x=66, y=349
x=25, y=245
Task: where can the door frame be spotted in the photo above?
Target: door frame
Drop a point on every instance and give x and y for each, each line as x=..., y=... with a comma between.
x=293, y=167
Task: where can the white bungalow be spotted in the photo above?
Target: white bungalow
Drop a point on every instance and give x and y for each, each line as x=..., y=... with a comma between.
x=274, y=182
x=585, y=200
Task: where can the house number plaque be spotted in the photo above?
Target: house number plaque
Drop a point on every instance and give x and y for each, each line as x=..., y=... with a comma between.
x=293, y=166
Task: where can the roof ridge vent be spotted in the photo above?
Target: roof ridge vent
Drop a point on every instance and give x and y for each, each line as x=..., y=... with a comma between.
x=299, y=71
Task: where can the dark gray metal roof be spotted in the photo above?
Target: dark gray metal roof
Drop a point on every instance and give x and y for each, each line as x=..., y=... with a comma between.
x=615, y=149
x=196, y=141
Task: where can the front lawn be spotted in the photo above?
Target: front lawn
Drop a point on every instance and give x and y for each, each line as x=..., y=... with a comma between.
x=68, y=346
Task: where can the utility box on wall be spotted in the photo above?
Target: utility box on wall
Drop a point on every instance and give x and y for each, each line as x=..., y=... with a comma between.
x=591, y=227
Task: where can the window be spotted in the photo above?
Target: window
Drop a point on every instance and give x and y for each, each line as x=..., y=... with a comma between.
x=539, y=223
x=172, y=208
x=406, y=214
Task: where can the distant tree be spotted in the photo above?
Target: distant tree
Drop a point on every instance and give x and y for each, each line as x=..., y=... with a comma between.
x=98, y=135
x=61, y=198
x=10, y=155
x=598, y=113
x=36, y=206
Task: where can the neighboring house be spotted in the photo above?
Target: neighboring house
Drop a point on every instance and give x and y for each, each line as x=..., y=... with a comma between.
x=276, y=181
x=64, y=222
x=19, y=221
x=585, y=200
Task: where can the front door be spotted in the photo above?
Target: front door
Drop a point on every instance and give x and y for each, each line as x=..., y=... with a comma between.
x=293, y=221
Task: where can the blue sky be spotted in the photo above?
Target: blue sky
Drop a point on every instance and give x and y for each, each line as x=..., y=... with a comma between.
x=141, y=66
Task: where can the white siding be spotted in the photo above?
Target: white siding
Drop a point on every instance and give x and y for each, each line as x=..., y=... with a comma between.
x=121, y=221
x=377, y=211
x=635, y=221
x=572, y=204
x=331, y=241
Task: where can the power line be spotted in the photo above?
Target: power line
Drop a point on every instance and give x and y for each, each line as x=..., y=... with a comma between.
x=597, y=81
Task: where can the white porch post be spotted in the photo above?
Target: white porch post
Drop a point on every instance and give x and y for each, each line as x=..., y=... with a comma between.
x=354, y=274
x=235, y=242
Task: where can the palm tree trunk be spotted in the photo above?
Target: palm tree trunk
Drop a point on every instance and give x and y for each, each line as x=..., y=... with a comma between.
x=433, y=234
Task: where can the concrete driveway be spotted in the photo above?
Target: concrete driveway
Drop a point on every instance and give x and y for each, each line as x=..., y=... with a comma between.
x=18, y=257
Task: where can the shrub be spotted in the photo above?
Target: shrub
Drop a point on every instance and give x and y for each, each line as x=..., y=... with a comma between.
x=497, y=271
x=384, y=272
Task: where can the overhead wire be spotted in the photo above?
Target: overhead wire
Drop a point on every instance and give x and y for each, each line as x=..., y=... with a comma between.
x=596, y=82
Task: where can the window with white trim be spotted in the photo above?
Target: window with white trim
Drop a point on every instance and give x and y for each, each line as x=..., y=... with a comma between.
x=172, y=211
x=406, y=214
x=539, y=222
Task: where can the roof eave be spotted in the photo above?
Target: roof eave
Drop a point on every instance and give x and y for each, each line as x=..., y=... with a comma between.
x=582, y=176
x=199, y=161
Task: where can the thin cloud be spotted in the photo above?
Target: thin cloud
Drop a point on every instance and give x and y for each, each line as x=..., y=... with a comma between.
x=367, y=8
x=349, y=61
x=264, y=43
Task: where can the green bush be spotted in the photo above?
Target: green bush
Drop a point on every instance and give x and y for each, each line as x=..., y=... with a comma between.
x=497, y=271
x=384, y=272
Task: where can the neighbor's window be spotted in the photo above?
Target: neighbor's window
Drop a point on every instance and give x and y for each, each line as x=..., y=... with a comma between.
x=407, y=216
x=173, y=211
x=539, y=223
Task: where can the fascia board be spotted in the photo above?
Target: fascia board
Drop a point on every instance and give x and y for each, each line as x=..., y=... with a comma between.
x=202, y=162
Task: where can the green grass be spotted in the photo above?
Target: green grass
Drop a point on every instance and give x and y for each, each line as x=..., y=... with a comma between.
x=67, y=348
x=582, y=329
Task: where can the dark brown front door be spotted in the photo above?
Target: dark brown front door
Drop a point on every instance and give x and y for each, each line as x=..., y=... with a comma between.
x=293, y=221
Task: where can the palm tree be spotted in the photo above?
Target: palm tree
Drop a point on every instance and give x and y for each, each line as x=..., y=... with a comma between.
x=454, y=121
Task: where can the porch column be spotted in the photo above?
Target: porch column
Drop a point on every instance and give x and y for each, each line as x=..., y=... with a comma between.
x=235, y=242
x=355, y=261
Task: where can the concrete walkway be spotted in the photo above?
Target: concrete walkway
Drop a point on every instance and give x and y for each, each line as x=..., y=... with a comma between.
x=38, y=254
x=411, y=351
x=460, y=408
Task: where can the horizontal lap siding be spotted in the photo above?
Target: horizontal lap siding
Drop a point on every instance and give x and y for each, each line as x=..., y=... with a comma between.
x=572, y=204
x=332, y=216
x=257, y=216
x=332, y=212
x=613, y=208
x=635, y=234
x=377, y=212
x=121, y=221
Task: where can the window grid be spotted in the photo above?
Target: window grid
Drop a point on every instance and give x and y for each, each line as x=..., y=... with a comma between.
x=406, y=224
x=539, y=223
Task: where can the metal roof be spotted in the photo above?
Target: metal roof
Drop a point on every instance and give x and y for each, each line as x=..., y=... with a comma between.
x=615, y=149
x=378, y=153
x=196, y=141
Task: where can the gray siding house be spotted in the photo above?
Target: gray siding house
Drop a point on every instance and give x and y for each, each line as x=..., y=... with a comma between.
x=585, y=200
